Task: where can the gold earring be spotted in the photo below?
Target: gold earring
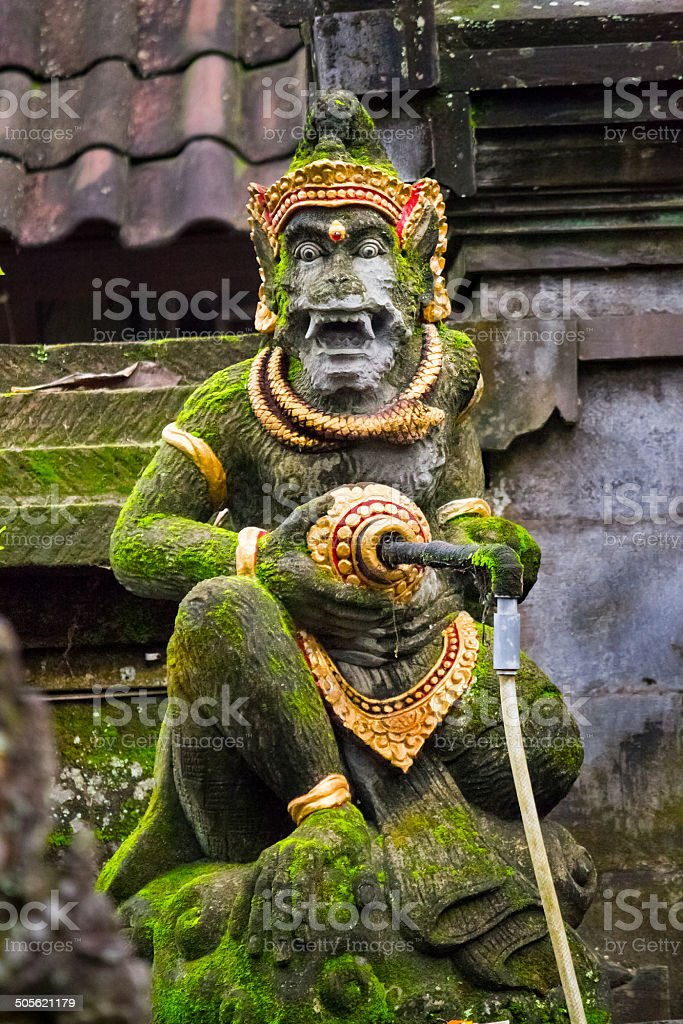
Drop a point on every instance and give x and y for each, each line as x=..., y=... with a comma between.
x=440, y=306
x=265, y=320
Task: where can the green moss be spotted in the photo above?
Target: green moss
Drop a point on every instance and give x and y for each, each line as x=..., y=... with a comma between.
x=304, y=701
x=457, y=341
x=206, y=406
x=268, y=570
x=472, y=117
x=350, y=986
x=495, y=530
x=362, y=147
x=141, y=555
x=205, y=979
x=105, y=769
x=84, y=471
x=489, y=560
x=212, y=558
x=451, y=10
x=364, y=156
x=42, y=466
x=228, y=980
x=59, y=839
x=474, y=529
x=454, y=828
x=225, y=619
x=225, y=984
x=281, y=290
x=413, y=280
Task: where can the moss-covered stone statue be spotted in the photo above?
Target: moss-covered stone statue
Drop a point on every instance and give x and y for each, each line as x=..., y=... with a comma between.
x=334, y=833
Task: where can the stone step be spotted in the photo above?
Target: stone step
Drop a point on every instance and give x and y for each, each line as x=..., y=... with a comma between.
x=69, y=459
x=43, y=477
x=193, y=359
x=89, y=417
x=51, y=534
x=97, y=672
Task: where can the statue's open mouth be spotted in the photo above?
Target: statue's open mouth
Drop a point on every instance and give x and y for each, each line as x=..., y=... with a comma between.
x=342, y=332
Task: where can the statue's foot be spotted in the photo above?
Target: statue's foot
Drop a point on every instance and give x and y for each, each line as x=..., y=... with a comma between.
x=185, y=922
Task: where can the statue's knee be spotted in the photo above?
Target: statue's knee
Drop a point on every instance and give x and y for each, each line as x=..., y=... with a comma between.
x=228, y=606
x=573, y=870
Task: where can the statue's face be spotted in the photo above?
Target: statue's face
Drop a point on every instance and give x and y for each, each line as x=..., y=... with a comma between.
x=345, y=319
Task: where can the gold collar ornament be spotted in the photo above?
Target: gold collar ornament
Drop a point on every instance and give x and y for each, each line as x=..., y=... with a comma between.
x=295, y=423
x=397, y=728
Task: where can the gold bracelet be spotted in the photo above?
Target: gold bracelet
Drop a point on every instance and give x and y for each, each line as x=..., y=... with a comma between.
x=247, y=549
x=462, y=507
x=332, y=791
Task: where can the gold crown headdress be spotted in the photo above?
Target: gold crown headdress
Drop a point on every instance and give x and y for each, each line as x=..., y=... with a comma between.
x=329, y=182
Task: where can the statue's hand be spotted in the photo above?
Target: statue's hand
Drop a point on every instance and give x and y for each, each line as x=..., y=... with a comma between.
x=500, y=568
x=303, y=885
x=313, y=597
x=492, y=531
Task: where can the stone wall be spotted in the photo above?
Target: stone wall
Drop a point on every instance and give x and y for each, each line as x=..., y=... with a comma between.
x=605, y=620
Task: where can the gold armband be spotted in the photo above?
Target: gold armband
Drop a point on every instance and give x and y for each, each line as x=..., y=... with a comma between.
x=462, y=507
x=204, y=458
x=333, y=791
x=247, y=550
x=474, y=400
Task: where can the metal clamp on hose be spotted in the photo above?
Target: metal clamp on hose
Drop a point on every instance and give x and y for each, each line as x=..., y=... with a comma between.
x=506, y=636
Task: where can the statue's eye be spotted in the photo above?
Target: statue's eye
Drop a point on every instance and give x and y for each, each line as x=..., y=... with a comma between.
x=368, y=250
x=307, y=252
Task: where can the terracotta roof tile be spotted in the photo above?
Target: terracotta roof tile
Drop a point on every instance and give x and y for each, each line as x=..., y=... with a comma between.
x=215, y=97
x=151, y=202
x=170, y=124
x=66, y=37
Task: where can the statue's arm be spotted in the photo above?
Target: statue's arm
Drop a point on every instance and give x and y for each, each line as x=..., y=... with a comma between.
x=488, y=529
x=163, y=544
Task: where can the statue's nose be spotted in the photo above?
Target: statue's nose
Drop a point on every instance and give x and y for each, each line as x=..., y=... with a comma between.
x=342, y=279
x=336, y=282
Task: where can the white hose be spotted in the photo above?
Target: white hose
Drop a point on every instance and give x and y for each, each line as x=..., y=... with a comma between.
x=539, y=856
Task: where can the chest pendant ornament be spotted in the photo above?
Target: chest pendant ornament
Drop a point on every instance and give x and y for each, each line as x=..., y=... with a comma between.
x=345, y=542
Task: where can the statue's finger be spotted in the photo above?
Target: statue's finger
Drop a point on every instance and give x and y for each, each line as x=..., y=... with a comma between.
x=413, y=623
x=328, y=611
x=261, y=904
x=241, y=907
x=306, y=515
x=348, y=613
x=285, y=917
